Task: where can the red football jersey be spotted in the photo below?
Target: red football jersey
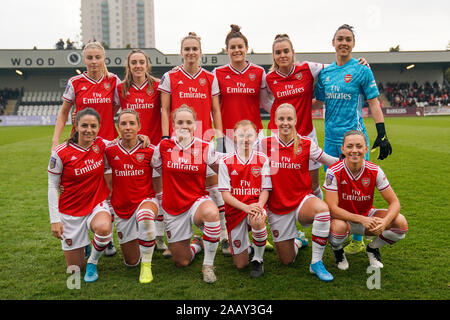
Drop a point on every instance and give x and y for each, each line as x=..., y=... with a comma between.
x=296, y=88
x=291, y=181
x=244, y=180
x=85, y=92
x=82, y=177
x=355, y=192
x=131, y=177
x=195, y=91
x=240, y=95
x=145, y=100
x=183, y=172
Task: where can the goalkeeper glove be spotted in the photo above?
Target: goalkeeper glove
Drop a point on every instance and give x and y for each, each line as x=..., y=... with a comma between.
x=382, y=142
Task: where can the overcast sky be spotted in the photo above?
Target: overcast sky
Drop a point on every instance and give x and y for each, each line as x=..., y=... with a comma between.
x=379, y=24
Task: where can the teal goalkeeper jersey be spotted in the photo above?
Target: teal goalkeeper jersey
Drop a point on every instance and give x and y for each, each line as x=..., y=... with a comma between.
x=344, y=90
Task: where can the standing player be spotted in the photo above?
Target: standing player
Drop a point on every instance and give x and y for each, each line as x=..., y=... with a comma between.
x=95, y=89
x=183, y=160
x=293, y=83
x=139, y=91
x=192, y=85
x=245, y=184
x=242, y=93
x=133, y=198
x=291, y=199
x=344, y=86
x=242, y=87
x=349, y=188
x=78, y=167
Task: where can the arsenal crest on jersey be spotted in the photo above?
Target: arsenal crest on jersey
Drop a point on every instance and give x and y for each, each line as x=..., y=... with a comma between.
x=107, y=85
x=95, y=148
x=299, y=76
x=69, y=242
x=237, y=243
x=365, y=182
x=348, y=78
x=150, y=90
x=256, y=171
x=252, y=76
x=202, y=81
x=120, y=234
x=276, y=233
x=140, y=157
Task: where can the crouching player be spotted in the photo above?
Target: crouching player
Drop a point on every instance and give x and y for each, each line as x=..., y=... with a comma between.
x=133, y=196
x=349, y=191
x=245, y=183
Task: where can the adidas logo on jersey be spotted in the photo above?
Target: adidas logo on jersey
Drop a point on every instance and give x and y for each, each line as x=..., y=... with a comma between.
x=344, y=182
x=234, y=173
x=227, y=77
x=180, y=82
x=73, y=158
x=117, y=158
x=169, y=150
x=84, y=88
x=275, y=82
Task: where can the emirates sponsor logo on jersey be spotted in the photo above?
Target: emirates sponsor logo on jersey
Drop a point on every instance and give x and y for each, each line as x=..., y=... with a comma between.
x=356, y=196
x=91, y=165
x=95, y=148
x=290, y=91
x=140, y=157
x=299, y=75
x=365, y=182
x=348, y=78
x=252, y=76
x=202, y=81
x=256, y=171
x=129, y=171
x=237, y=243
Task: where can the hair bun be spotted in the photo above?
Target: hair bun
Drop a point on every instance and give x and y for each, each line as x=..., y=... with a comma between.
x=235, y=28
x=281, y=35
x=192, y=34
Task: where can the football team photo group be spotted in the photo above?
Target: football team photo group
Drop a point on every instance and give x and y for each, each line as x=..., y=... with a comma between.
x=186, y=166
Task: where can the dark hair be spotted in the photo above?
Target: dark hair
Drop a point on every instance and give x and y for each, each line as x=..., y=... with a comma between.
x=127, y=82
x=235, y=33
x=85, y=112
x=129, y=111
x=354, y=132
x=346, y=27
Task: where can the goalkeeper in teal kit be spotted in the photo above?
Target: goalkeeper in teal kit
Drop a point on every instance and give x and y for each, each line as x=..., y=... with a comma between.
x=343, y=86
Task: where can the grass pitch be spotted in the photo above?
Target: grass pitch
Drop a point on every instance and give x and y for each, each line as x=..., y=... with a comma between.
x=33, y=267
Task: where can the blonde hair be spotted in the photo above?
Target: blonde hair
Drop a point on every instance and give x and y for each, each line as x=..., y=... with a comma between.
x=297, y=141
x=183, y=107
x=280, y=38
x=192, y=35
x=129, y=77
x=97, y=45
x=245, y=122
